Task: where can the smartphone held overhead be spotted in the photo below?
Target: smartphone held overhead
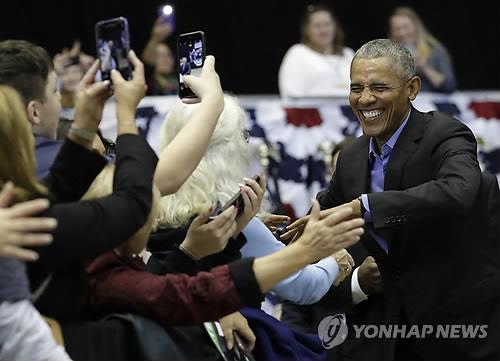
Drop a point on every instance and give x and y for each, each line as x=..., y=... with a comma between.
x=112, y=46
x=191, y=52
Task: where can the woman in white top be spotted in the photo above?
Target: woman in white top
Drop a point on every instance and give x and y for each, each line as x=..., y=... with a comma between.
x=320, y=65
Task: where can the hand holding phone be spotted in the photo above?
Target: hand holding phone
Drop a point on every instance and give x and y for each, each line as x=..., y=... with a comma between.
x=191, y=49
x=113, y=45
x=236, y=200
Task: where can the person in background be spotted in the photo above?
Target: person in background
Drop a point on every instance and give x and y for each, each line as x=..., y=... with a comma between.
x=24, y=335
x=434, y=65
x=319, y=65
x=70, y=65
x=159, y=62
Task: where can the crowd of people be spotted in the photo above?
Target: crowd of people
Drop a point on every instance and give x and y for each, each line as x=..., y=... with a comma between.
x=109, y=251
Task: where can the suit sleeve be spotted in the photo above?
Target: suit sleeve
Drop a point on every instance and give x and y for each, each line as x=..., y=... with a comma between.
x=332, y=196
x=172, y=299
x=452, y=193
x=86, y=229
x=72, y=172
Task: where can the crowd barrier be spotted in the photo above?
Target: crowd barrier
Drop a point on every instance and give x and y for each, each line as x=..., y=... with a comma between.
x=292, y=138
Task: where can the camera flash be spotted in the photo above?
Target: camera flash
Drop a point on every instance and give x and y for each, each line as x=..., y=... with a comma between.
x=167, y=10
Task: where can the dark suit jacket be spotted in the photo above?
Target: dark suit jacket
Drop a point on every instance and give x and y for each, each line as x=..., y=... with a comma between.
x=306, y=318
x=442, y=267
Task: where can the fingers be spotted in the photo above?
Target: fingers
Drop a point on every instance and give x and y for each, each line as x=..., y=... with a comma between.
x=138, y=73
x=89, y=76
x=19, y=253
x=75, y=49
x=246, y=332
x=338, y=217
x=32, y=224
x=276, y=219
x=30, y=239
x=349, y=238
x=28, y=208
x=314, y=211
x=6, y=194
x=116, y=77
x=293, y=232
x=229, y=215
x=201, y=219
x=99, y=89
x=256, y=187
x=208, y=65
x=297, y=223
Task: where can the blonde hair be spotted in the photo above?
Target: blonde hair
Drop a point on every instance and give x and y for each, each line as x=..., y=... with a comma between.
x=425, y=40
x=224, y=164
x=17, y=154
x=102, y=186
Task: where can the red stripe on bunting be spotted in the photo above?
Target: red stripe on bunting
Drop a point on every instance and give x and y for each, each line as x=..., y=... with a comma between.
x=308, y=117
x=486, y=110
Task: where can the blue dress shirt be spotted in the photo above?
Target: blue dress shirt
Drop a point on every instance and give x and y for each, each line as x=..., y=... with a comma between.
x=378, y=165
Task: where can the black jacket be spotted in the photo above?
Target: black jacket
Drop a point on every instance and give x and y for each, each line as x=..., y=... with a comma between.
x=88, y=228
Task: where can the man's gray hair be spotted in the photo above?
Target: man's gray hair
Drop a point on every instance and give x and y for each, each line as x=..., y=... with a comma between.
x=404, y=64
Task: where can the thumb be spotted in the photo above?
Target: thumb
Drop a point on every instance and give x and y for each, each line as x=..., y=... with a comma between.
x=116, y=77
x=202, y=218
x=191, y=81
x=229, y=339
x=98, y=88
x=314, y=211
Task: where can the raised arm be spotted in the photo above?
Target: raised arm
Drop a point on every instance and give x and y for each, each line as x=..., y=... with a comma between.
x=190, y=144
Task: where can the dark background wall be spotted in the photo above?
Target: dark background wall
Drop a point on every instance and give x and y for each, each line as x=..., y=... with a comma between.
x=249, y=38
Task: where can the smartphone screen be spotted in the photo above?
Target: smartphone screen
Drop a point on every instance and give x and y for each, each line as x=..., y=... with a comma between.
x=167, y=15
x=113, y=45
x=190, y=59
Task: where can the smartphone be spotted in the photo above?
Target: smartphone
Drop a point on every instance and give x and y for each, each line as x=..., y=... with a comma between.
x=240, y=349
x=113, y=45
x=236, y=200
x=191, y=50
x=166, y=15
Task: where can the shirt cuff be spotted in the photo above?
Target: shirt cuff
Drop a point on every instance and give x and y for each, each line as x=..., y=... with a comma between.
x=358, y=295
x=245, y=282
x=366, y=205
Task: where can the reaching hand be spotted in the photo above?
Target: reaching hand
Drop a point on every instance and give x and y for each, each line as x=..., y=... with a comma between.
x=272, y=221
x=204, y=239
x=235, y=322
x=19, y=229
x=128, y=93
x=252, y=194
x=345, y=262
x=325, y=236
x=295, y=229
x=207, y=86
x=90, y=99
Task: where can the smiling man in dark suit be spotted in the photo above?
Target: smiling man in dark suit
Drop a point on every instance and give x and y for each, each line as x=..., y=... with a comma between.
x=415, y=178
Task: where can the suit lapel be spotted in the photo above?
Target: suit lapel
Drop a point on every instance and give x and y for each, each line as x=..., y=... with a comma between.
x=358, y=179
x=405, y=146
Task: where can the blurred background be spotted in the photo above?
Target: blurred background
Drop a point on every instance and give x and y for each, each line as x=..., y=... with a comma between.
x=249, y=38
